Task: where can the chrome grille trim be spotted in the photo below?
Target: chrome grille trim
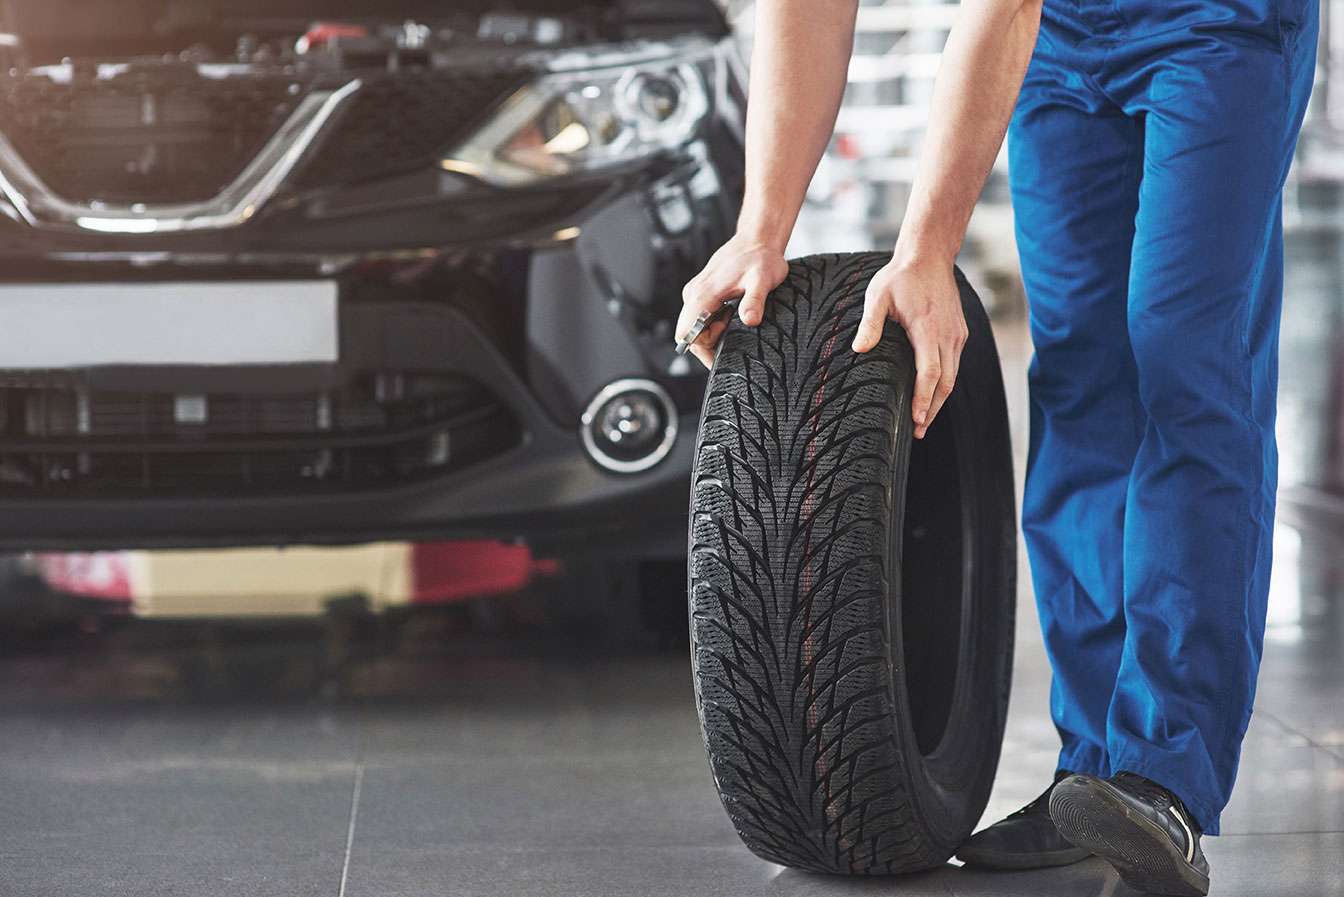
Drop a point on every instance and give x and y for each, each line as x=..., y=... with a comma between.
x=42, y=208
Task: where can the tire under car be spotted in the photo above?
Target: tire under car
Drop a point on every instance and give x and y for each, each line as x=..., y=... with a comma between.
x=852, y=589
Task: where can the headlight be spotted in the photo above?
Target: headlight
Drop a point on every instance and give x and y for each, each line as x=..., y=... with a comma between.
x=574, y=121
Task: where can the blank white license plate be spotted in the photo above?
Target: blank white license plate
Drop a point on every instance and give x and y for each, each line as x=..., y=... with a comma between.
x=77, y=325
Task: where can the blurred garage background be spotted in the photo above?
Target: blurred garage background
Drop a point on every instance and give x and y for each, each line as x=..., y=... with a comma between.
x=364, y=697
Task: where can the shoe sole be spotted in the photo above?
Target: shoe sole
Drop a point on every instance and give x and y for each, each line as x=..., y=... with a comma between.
x=1018, y=862
x=1092, y=816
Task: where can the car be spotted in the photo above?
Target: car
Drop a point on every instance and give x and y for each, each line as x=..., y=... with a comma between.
x=299, y=272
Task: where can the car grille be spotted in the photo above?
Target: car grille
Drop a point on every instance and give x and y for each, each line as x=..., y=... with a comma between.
x=142, y=139
x=60, y=439
x=175, y=136
x=403, y=122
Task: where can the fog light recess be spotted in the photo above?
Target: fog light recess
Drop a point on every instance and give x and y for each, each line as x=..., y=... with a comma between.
x=629, y=426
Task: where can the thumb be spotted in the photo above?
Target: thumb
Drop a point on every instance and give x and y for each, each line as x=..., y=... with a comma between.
x=752, y=307
x=870, y=327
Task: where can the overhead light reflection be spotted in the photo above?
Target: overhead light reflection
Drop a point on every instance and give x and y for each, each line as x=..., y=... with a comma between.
x=119, y=225
x=1283, y=622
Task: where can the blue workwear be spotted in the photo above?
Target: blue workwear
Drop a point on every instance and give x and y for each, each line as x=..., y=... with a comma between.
x=1147, y=158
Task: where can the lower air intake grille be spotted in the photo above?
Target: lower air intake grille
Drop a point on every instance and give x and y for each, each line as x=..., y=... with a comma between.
x=60, y=439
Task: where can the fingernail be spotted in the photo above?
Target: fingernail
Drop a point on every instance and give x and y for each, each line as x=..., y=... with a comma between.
x=919, y=418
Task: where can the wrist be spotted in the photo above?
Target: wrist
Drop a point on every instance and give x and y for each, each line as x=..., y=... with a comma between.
x=771, y=231
x=913, y=254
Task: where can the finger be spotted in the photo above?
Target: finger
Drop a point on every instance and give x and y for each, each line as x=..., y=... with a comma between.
x=752, y=307
x=704, y=355
x=705, y=347
x=690, y=289
x=870, y=326
x=950, y=359
x=712, y=332
x=928, y=371
x=706, y=300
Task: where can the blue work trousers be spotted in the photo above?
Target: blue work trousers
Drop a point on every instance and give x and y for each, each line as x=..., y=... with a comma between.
x=1147, y=158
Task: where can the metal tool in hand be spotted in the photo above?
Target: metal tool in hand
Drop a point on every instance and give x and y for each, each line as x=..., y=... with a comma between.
x=701, y=322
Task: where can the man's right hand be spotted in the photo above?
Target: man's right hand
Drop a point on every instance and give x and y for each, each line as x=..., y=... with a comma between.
x=744, y=266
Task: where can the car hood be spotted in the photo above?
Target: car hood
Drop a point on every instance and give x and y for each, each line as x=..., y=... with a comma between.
x=46, y=31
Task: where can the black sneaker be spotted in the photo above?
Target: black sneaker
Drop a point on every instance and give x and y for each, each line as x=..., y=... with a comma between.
x=1137, y=826
x=1027, y=839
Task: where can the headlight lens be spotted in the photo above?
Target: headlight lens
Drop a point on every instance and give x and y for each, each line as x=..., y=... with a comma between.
x=575, y=121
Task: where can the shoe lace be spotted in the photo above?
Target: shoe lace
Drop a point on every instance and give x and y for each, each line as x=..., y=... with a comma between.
x=1154, y=794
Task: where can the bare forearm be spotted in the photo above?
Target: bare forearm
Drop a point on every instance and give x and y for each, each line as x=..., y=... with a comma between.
x=973, y=98
x=799, y=67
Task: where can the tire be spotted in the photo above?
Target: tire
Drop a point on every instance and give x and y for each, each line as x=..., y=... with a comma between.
x=852, y=706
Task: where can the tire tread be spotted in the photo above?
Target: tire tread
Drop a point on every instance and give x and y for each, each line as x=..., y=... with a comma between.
x=791, y=499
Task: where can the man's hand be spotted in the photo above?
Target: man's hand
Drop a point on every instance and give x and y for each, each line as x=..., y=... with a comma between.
x=924, y=299
x=984, y=61
x=743, y=267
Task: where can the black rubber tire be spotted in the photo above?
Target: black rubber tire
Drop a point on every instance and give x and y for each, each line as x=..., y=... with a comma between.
x=852, y=702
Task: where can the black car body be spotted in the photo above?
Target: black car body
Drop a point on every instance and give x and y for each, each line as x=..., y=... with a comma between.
x=282, y=271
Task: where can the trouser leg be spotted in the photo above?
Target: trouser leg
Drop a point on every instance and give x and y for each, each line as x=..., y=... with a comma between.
x=1205, y=291
x=1074, y=166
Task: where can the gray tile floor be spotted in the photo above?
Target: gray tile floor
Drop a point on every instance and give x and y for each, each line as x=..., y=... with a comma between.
x=520, y=772
x=160, y=760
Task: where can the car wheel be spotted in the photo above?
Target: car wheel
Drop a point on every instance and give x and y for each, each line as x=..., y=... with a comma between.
x=851, y=589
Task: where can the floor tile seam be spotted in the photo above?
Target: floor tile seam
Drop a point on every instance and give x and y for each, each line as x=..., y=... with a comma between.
x=547, y=849
x=548, y=761
x=1332, y=831
x=1310, y=742
x=355, y=790
x=1263, y=714
x=287, y=852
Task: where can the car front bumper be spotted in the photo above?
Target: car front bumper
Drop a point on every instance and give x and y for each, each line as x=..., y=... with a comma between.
x=558, y=319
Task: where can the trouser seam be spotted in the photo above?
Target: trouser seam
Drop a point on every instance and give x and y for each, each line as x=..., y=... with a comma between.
x=1235, y=648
